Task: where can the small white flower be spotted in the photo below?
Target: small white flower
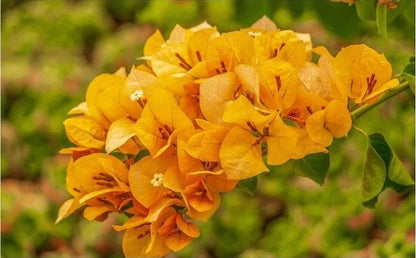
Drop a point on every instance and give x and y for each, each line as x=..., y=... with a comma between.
x=157, y=179
x=254, y=33
x=135, y=96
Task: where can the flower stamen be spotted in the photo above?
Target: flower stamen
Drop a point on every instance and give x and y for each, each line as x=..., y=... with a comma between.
x=183, y=62
x=157, y=179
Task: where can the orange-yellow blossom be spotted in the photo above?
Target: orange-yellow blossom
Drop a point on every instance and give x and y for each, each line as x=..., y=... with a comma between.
x=364, y=74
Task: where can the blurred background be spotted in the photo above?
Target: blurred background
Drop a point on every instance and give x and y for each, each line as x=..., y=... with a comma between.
x=51, y=50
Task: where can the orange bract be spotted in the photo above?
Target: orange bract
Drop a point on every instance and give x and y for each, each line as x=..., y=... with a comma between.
x=199, y=116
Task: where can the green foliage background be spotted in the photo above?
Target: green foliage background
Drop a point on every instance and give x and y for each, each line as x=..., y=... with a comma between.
x=51, y=50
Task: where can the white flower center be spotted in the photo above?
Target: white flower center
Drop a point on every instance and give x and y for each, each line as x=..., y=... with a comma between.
x=138, y=94
x=254, y=33
x=157, y=179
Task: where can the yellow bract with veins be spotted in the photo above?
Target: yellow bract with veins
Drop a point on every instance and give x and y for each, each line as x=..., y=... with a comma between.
x=204, y=110
x=363, y=73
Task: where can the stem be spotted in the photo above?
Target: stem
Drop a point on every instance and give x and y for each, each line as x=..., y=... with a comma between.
x=361, y=131
x=365, y=108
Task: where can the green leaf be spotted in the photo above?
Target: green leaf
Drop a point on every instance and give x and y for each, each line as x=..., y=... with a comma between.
x=248, y=185
x=314, y=166
x=381, y=19
x=366, y=10
x=392, y=14
x=140, y=155
x=347, y=25
x=410, y=68
x=411, y=80
x=382, y=169
x=121, y=156
x=409, y=73
x=409, y=13
x=373, y=177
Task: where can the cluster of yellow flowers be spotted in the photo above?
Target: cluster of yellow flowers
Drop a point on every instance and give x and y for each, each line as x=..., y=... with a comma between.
x=207, y=106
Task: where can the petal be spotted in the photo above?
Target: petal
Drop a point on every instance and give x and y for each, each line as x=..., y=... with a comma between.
x=265, y=23
x=274, y=77
x=67, y=208
x=242, y=46
x=295, y=52
x=305, y=145
x=85, y=132
x=73, y=186
x=156, y=238
x=140, y=177
x=177, y=35
x=153, y=43
x=214, y=93
x=138, y=80
x=132, y=222
x=205, y=215
x=378, y=91
x=315, y=79
x=205, y=145
x=92, y=212
x=200, y=204
x=97, y=193
x=80, y=109
x=249, y=79
x=242, y=111
x=119, y=133
x=190, y=106
x=189, y=228
x=146, y=129
x=173, y=179
x=306, y=38
x=168, y=225
x=130, y=147
x=337, y=118
x=281, y=143
x=163, y=68
x=165, y=108
x=177, y=241
x=113, y=104
x=219, y=182
x=137, y=240
x=96, y=87
x=241, y=155
x=220, y=56
x=87, y=167
x=160, y=207
x=315, y=126
x=186, y=162
x=198, y=43
x=121, y=72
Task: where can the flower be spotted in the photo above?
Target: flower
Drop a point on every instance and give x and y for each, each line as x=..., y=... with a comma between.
x=209, y=109
x=363, y=73
x=98, y=181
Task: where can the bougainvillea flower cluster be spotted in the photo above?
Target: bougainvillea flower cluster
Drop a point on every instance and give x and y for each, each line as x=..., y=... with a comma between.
x=163, y=141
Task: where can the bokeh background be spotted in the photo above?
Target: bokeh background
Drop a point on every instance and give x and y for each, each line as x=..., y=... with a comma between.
x=51, y=50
